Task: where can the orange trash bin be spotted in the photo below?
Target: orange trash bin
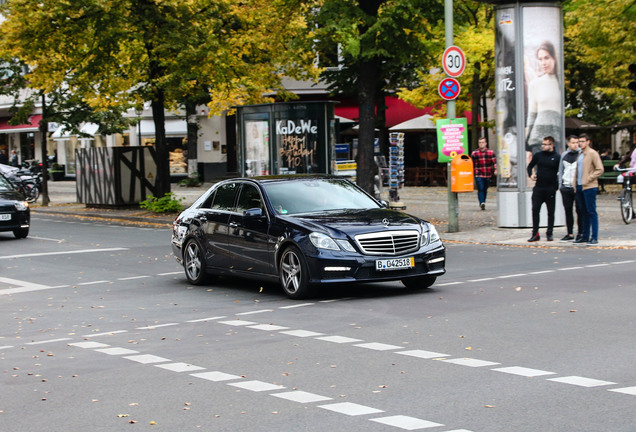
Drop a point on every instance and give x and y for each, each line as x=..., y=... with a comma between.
x=462, y=174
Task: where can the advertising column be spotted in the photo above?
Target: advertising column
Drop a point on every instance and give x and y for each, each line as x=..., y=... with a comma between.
x=529, y=101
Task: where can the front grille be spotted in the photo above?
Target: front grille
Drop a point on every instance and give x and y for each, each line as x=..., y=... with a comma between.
x=388, y=242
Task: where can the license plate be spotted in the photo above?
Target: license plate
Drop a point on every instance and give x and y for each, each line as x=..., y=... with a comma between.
x=394, y=264
x=5, y=217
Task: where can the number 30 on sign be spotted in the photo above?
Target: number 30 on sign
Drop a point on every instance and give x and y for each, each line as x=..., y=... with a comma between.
x=454, y=61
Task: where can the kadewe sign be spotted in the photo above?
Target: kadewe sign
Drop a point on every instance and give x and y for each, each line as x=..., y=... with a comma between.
x=452, y=138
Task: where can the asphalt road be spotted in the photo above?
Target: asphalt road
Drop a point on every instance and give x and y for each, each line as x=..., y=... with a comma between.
x=101, y=332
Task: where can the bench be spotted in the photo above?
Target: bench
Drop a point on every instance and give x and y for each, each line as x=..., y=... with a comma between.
x=609, y=175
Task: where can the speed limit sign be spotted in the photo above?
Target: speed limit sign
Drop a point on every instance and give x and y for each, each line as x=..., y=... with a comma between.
x=453, y=61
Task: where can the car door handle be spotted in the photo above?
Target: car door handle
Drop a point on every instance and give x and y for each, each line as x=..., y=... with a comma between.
x=233, y=225
x=203, y=218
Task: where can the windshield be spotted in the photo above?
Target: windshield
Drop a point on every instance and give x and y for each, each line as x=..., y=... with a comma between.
x=5, y=186
x=316, y=195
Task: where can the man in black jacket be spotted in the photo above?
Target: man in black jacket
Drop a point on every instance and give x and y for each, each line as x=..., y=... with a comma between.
x=547, y=182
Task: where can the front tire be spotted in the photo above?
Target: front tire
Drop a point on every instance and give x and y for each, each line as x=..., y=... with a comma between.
x=294, y=274
x=627, y=209
x=194, y=263
x=21, y=233
x=419, y=282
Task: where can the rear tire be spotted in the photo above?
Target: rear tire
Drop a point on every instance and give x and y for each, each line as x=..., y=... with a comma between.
x=21, y=233
x=294, y=274
x=194, y=263
x=627, y=209
x=419, y=282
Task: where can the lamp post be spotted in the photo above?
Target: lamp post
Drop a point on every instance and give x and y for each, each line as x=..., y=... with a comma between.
x=139, y=112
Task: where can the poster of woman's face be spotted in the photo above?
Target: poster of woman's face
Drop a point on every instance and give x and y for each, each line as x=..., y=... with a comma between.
x=543, y=76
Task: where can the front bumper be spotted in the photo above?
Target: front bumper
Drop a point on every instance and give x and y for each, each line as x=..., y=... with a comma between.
x=327, y=268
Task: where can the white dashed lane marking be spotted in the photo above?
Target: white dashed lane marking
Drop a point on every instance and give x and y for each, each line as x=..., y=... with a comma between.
x=147, y=359
x=470, y=362
x=302, y=333
x=338, y=339
x=238, y=323
x=179, y=367
x=378, y=346
x=268, y=327
x=257, y=386
x=625, y=390
x=351, y=409
x=581, y=381
x=523, y=371
x=301, y=397
x=423, y=354
x=405, y=422
x=47, y=341
x=117, y=351
x=216, y=376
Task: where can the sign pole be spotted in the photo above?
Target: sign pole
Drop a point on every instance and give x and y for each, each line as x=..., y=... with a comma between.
x=453, y=202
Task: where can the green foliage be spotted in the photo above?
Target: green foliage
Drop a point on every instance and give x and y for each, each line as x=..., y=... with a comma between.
x=169, y=203
x=191, y=181
x=474, y=33
x=600, y=43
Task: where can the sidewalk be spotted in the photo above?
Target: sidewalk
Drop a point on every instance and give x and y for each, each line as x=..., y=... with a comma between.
x=430, y=203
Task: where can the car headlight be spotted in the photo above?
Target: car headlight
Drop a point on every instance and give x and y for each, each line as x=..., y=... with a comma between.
x=21, y=205
x=433, y=235
x=430, y=236
x=322, y=241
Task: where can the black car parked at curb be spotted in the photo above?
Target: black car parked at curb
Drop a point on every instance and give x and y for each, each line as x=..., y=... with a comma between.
x=304, y=231
x=15, y=214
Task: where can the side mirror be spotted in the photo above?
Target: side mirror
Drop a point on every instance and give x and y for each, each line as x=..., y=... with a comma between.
x=384, y=203
x=253, y=213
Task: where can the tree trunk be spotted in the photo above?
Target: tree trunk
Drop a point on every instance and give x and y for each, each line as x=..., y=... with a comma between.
x=162, y=184
x=475, y=96
x=44, y=129
x=365, y=171
x=193, y=136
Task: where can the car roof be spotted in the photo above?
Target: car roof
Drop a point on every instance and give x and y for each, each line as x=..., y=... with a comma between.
x=287, y=177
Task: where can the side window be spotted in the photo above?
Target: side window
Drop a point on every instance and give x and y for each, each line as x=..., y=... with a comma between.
x=224, y=197
x=250, y=198
x=208, y=202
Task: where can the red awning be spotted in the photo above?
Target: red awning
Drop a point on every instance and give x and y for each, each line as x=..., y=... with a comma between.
x=397, y=111
x=32, y=126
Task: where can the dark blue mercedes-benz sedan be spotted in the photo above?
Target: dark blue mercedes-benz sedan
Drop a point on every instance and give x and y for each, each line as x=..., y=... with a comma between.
x=304, y=231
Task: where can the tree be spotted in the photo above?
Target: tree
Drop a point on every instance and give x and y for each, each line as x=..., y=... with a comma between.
x=474, y=33
x=597, y=53
x=381, y=44
x=115, y=55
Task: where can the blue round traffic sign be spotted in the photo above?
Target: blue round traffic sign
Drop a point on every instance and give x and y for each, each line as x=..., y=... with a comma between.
x=449, y=88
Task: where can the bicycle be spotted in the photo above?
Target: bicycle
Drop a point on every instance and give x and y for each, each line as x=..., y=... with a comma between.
x=625, y=197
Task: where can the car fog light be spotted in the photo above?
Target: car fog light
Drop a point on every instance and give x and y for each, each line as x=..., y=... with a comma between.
x=436, y=260
x=337, y=269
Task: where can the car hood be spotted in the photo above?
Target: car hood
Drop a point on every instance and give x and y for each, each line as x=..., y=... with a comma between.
x=354, y=222
x=11, y=196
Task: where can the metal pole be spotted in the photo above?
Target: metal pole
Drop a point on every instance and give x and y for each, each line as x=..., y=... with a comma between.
x=453, y=204
x=138, y=112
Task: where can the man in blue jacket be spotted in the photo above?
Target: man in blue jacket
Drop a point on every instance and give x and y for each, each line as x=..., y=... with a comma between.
x=546, y=177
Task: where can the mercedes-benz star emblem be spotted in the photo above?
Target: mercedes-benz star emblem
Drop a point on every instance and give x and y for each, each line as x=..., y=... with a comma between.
x=385, y=221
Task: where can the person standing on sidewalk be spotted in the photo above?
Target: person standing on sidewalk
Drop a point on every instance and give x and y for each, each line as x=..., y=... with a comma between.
x=547, y=182
x=566, y=186
x=589, y=168
x=485, y=166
